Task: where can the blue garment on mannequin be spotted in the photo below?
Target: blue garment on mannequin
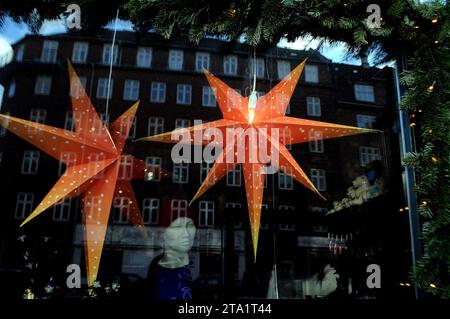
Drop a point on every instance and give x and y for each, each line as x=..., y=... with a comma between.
x=173, y=283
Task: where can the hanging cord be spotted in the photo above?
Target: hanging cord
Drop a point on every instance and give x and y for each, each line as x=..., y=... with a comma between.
x=111, y=65
x=253, y=98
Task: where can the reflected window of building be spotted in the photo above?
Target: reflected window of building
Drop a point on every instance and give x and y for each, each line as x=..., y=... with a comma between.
x=178, y=208
x=131, y=90
x=144, y=57
x=318, y=178
x=66, y=159
x=24, y=205
x=154, y=164
x=313, y=107
x=43, y=85
x=158, y=92
x=365, y=121
x=364, y=93
x=204, y=170
x=38, y=115
x=311, y=73
x=283, y=68
x=201, y=61
x=150, y=211
x=102, y=88
x=230, y=65
x=30, y=162
x=176, y=59
x=126, y=167
x=20, y=51
x=49, y=51
x=96, y=157
x=208, y=97
x=316, y=144
x=184, y=93
x=287, y=210
x=61, y=211
x=182, y=123
x=259, y=67
x=12, y=88
x=180, y=173
x=2, y=128
x=285, y=181
x=155, y=125
x=80, y=52
x=286, y=137
x=110, y=53
x=206, y=213
x=234, y=176
x=121, y=206
x=368, y=154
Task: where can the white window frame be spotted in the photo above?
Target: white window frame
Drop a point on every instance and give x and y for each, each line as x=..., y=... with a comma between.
x=264, y=226
x=202, y=61
x=184, y=94
x=155, y=125
x=234, y=176
x=150, y=211
x=43, y=85
x=182, y=123
x=311, y=73
x=260, y=67
x=367, y=154
x=66, y=159
x=131, y=90
x=319, y=179
x=121, y=203
x=61, y=211
x=144, y=57
x=208, y=97
x=24, y=205
x=206, y=213
x=30, y=162
x=234, y=205
x=364, y=93
x=102, y=88
x=365, y=121
x=176, y=60
x=49, y=51
x=316, y=145
x=178, y=208
x=106, y=54
x=180, y=173
x=230, y=64
x=205, y=167
x=283, y=68
x=154, y=163
x=80, y=52
x=126, y=166
x=285, y=181
x=313, y=106
x=158, y=92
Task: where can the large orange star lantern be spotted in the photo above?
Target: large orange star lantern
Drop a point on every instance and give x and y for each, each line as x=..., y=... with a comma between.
x=263, y=116
x=96, y=167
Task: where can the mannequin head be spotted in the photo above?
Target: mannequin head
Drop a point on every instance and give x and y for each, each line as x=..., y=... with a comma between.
x=179, y=236
x=178, y=241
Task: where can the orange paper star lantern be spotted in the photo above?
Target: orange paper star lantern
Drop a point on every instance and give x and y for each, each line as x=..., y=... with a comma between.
x=268, y=114
x=96, y=167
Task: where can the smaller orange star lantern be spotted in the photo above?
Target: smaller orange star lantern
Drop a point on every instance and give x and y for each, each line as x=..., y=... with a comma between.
x=262, y=116
x=96, y=169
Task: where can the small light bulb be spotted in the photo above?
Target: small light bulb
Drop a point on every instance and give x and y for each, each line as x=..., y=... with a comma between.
x=433, y=286
x=252, y=101
x=434, y=20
